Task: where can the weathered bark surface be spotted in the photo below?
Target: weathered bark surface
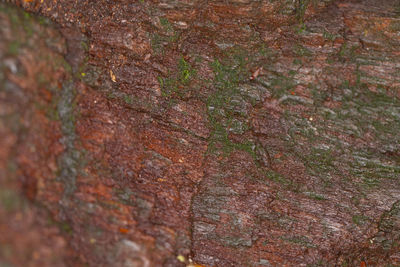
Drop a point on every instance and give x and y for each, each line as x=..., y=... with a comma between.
x=200, y=133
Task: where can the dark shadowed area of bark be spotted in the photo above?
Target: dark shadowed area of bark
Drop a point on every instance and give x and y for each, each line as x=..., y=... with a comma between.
x=200, y=133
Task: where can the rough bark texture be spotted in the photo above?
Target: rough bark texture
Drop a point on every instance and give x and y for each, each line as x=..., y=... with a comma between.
x=200, y=133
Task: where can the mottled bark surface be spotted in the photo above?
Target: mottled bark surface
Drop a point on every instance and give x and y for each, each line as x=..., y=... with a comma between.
x=200, y=133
